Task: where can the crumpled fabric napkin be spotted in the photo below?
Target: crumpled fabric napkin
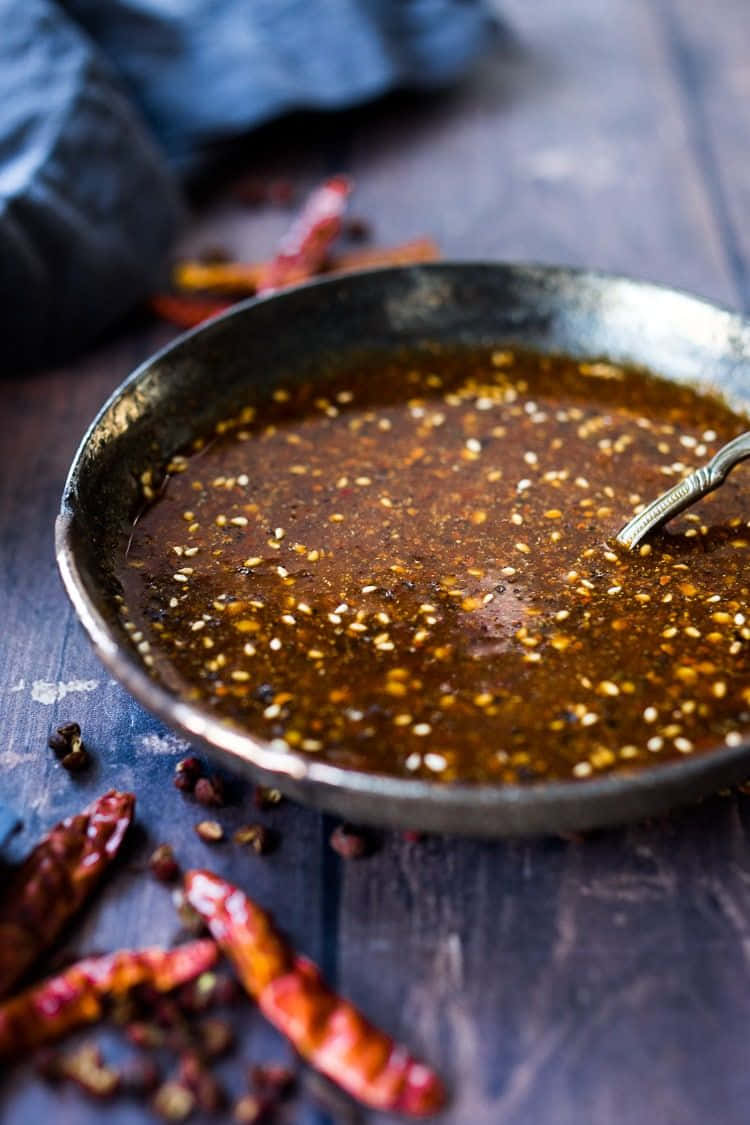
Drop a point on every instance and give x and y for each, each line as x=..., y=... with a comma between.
x=103, y=103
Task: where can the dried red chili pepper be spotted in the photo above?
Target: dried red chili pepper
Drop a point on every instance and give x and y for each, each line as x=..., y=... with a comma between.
x=186, y=312
x=55, y=879
x=47, y=1011
x=371, y=257
x=326, y=1030
x=224, y=277
x=304, y=247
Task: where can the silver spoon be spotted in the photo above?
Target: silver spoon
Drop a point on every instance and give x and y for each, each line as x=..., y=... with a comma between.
x=685, y=493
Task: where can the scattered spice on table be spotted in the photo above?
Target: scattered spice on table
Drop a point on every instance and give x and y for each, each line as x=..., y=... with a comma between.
x=210, y=831
x=256, y=836
x=55, y=880
x=209, y=791
x=326, y=1030
x=187, y=772
x=78, y=996
x=349, y=842
x=68, y=746
x=87, y=1069
x=163, y=864
x=265, y=798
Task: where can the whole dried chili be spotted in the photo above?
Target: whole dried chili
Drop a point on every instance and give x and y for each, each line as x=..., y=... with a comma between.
x=55, y=879
x=244, y=278
x=186, y=312
x=78, y=996
x=371, y=257
x=224, y=277
x=304, y=247
x=326, y=1030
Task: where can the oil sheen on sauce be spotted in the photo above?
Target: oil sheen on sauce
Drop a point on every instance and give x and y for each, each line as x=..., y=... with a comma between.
x=407, y=568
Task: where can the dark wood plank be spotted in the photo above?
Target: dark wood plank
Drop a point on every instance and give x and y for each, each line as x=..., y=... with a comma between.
x=554, y=981
x=708, y=49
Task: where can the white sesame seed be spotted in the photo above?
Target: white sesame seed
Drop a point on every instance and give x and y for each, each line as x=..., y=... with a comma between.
x=180, y=577
x=413, y=762
x=684, y=745
x=734, y=738
x=474, y=445
x=334, y=618
x=582, y=769
x=650, y=715
x=239, y=521
x=288, y=619
x=655, y=744
x=589, y=719
x=272, y=712
x=530, y=458
x=435, y=762
x=421, y=729
x=274, y=644
x=523, y=485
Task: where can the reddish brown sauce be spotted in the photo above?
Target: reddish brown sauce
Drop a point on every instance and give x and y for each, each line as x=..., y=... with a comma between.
x=407, y=568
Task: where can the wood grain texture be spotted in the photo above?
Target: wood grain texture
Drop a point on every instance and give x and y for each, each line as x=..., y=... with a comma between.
x=555, y=982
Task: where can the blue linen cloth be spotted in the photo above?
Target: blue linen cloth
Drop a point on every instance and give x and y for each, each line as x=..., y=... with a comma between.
x=8, y=824
x=104, y=102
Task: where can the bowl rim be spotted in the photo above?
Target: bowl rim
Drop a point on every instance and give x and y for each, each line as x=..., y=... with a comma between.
x=566, y=803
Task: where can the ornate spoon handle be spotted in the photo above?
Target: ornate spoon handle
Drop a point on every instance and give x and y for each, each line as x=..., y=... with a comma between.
x=685, y=493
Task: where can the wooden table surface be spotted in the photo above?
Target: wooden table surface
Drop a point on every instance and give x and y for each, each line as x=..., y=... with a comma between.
x=553, y=982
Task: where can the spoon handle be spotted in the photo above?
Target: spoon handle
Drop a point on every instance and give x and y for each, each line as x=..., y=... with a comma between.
x=685, y=493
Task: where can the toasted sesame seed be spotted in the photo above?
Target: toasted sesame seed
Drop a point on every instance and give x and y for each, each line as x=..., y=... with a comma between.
x=607, y=687
x=435, y=762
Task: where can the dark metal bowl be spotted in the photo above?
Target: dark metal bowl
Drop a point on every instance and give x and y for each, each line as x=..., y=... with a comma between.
x=187, y=387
